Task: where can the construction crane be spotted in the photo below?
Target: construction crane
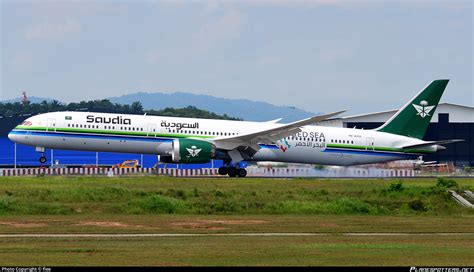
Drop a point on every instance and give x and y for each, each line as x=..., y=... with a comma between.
x=24, y=98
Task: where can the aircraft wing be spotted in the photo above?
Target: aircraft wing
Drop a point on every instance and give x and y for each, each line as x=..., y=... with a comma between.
x=430, y=143
x=268, y=136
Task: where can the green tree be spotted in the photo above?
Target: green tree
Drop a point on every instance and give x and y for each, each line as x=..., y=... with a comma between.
x=103, y=105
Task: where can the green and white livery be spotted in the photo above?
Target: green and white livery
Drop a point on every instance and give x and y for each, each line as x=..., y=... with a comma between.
x=192, y=140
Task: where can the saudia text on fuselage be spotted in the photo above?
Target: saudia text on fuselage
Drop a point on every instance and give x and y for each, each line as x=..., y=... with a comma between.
x=179, y=125
x=118, y=120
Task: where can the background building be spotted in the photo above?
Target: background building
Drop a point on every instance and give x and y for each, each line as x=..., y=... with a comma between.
x=450, y=121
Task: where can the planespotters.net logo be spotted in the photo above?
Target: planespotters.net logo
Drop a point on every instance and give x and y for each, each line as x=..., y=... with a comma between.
x=441, y=269
x=423, y=109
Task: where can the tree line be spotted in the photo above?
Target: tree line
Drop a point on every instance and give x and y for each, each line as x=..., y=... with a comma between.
x=14, y=109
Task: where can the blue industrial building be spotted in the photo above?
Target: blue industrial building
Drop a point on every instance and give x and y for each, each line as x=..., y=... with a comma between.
x=26, y=156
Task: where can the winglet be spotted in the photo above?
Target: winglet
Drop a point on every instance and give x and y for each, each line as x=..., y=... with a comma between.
x=318, y=118
x=274, y=121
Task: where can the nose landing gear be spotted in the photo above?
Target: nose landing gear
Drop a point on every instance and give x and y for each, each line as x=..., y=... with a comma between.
x=42, y=159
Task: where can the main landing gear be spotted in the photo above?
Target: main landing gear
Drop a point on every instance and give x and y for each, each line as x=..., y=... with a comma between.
x=232, y=171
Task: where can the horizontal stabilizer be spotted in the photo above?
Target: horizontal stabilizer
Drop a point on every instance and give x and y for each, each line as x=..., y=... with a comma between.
x=431, y=143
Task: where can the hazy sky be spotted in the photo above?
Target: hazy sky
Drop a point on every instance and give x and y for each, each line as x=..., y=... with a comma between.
x=322, y=55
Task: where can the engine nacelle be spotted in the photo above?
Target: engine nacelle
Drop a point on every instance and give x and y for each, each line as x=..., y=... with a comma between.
x=192, y=151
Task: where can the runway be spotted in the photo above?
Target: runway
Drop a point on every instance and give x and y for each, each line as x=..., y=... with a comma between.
x=263, y=234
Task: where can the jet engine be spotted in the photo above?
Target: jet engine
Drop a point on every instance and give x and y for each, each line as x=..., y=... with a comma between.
x=190, y=151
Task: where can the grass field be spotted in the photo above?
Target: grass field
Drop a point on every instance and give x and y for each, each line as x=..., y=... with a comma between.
x=331, y=207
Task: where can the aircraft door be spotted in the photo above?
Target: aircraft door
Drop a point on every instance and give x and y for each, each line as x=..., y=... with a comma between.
x=51, y=124
x=151, y=131
x=370, y=144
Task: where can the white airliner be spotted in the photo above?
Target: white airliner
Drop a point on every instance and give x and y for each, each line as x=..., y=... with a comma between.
x=191, y=140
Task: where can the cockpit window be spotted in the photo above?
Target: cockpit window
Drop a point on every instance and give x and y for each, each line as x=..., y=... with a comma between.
x=26, y=123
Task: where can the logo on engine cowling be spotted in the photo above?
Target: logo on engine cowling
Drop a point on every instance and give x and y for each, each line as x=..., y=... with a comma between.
x=193, y=151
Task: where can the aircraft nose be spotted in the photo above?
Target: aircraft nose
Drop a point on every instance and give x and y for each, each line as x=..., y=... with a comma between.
x=11, y=136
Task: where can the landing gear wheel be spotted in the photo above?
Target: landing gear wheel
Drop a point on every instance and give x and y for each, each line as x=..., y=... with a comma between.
x=223, y=171
x=42, y=159
x=241, y=172
x=232, y=171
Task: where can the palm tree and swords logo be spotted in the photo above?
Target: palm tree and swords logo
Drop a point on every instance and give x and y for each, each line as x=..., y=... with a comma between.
x=423, y=109
x=193, y=151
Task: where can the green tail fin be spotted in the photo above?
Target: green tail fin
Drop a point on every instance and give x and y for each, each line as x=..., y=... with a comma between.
x=413, y=119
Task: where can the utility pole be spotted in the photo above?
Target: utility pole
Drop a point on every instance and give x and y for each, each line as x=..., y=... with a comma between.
x=15, y=156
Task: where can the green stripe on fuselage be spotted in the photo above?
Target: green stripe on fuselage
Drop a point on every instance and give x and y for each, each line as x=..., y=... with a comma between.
x=116, y=133
x=380, y=148
x=145, y=134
